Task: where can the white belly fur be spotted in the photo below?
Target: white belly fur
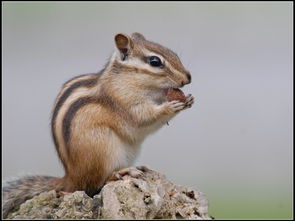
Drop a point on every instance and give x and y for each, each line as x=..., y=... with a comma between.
x=123, y=154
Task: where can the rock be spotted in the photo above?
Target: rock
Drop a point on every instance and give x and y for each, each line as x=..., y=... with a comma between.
x=150, y=197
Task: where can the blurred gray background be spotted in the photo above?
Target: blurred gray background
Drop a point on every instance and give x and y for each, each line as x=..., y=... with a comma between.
x=234, y=144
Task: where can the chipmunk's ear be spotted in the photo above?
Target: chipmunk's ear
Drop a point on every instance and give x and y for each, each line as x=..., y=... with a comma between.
x=137, y=36
x=124, y=44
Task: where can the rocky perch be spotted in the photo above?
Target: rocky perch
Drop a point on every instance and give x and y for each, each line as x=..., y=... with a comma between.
x=150, y=197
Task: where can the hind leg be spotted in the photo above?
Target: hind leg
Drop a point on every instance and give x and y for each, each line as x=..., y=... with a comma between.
x=131, y=171
x=135, y=172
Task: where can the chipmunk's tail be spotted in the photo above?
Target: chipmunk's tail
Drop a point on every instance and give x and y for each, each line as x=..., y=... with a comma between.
x=16, y=192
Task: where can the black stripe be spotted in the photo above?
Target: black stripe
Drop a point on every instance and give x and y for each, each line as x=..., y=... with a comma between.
x=79, y=76
x=62, y=99
x=68, y=92
x=104, y=100
x=70, y=115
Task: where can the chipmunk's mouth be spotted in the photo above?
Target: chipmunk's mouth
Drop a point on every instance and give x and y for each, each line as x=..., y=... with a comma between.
x=175, y=84
x=166, y=90
x=172, y=87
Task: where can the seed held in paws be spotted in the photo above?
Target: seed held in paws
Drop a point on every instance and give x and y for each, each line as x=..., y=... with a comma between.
x=174, y=94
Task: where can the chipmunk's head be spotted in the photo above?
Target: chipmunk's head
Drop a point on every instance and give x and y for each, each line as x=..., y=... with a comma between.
x=151, y=64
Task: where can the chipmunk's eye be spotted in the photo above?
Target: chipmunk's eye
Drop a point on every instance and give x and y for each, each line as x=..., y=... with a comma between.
x=155, y=61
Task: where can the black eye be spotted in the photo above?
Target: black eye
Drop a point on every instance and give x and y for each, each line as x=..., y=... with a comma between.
x=154, y=61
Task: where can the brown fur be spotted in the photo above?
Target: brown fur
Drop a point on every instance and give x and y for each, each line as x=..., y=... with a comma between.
x=68, y=88
x=100, y=120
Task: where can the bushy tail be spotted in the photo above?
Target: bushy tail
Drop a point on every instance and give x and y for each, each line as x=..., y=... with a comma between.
x=18, y=191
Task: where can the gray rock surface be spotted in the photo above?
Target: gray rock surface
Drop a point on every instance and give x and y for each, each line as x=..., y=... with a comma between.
x=151, y=196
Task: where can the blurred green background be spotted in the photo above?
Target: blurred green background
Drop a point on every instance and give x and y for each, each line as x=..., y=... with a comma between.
x=234, y=144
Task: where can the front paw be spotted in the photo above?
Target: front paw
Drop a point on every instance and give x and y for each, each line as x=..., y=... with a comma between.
x=173, y=107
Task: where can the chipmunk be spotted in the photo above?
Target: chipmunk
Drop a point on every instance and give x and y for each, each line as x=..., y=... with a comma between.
x=100, y=120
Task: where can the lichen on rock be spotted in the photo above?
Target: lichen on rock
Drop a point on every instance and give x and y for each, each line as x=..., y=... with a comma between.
x=151, y=196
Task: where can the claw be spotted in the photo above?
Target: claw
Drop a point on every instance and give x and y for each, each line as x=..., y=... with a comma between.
x=175, y=106
x=189, y=101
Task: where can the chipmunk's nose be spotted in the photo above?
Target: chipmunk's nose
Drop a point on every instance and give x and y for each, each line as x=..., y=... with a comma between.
x=188, y=80
x=189, y=77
